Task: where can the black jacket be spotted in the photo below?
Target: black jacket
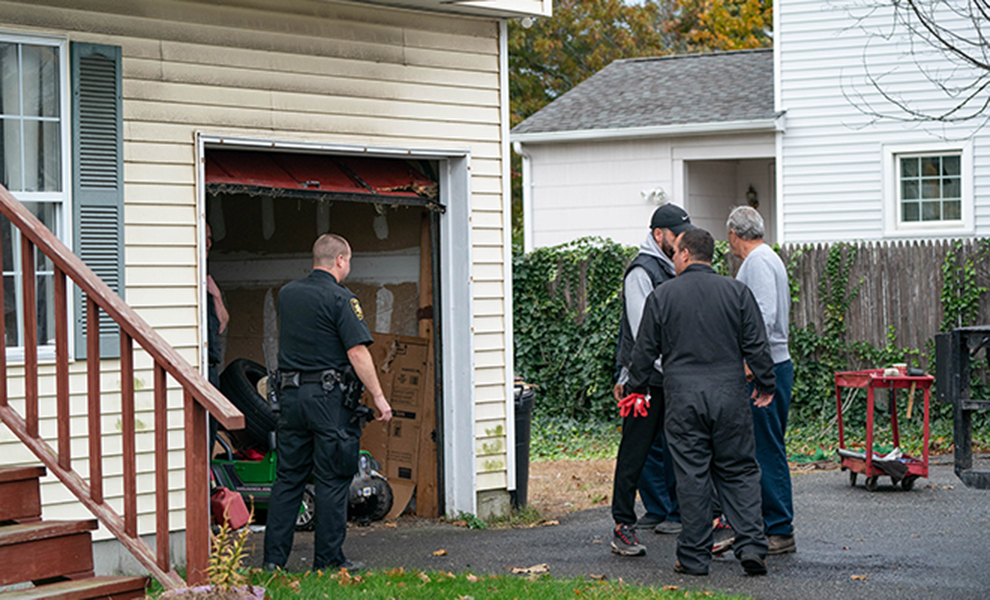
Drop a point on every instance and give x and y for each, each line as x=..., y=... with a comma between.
x=704, y=325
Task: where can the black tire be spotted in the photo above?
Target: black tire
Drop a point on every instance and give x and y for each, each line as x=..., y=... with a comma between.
x=307, y=511
x=907, y=484
x=239, y=383
x=384, y=503
x=852, y=478
x=871, y=483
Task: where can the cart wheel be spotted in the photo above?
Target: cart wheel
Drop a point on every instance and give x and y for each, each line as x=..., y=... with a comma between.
x=852, y=478
x=907, y=484
x=871, y=483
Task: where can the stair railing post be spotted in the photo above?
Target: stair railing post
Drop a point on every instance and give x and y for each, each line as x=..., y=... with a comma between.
x=197, y=492
x=161, y=467
x=93, y=387
x=128, y=432
x=28, y=284
x=62, y=369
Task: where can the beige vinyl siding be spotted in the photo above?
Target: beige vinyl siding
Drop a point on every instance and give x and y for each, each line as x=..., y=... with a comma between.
x=342, y=73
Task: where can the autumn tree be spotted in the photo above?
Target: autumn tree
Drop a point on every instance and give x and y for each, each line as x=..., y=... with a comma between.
x=709, y=25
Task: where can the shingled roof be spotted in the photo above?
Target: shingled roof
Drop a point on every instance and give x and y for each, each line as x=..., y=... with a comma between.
x=667, y=90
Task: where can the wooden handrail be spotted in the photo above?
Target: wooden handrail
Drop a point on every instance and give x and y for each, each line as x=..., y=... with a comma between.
x=199, y=397
x=108, y=300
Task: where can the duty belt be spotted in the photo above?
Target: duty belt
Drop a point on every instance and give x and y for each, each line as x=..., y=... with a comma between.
x=294, y=379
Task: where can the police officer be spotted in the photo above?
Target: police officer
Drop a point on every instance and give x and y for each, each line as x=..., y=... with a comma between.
x=323, y=343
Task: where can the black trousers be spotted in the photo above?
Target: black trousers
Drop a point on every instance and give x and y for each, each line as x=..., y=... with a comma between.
x=710, y=435
x=638, y=435
x=317, y=439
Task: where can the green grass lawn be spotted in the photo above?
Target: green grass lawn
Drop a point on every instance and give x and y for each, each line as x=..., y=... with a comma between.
x=399, y=583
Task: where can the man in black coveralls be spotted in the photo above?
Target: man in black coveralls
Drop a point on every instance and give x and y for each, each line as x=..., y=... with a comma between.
x=322, y=333
x=705, y=325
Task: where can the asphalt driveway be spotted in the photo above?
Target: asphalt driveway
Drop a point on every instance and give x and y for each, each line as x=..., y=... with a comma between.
x=931, y=542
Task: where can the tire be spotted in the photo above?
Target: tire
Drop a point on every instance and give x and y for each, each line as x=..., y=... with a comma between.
x=384, y=504
x=871, y=483
x=907, y=484
x=307, y=511
x=239, y=383
x=852, y=478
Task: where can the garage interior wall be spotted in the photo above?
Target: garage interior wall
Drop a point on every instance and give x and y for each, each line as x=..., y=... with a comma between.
x=301, y=70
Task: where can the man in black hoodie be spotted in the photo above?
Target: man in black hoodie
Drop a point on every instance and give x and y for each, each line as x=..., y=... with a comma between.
x=705, y=325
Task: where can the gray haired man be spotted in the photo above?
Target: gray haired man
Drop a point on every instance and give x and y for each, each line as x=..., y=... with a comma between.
x=764, y=274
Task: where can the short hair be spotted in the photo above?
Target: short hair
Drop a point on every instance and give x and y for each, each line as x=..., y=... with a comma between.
x=746, y=222
x=699, y=243
x=327, y=248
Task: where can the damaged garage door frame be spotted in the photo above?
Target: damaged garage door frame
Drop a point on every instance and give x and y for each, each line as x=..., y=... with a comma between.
x=451, y=209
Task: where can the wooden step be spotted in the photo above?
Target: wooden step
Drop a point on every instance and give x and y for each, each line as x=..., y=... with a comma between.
x=109, y=587
x=33, y=551
x=20, y=494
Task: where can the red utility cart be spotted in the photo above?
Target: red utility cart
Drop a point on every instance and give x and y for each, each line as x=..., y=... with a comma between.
x=875, y=467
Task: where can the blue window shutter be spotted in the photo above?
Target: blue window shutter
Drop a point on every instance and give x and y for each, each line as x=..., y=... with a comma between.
x=97, y=180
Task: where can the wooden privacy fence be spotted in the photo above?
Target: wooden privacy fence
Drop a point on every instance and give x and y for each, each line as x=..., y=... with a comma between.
x=900, y=286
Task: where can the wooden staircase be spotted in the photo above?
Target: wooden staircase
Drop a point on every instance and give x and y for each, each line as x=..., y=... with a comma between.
x=56, y=556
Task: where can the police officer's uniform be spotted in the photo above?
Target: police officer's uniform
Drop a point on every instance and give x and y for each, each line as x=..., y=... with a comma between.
x=319, y=321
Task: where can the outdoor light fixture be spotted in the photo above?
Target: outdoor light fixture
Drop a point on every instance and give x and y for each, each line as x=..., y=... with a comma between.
x=752, y=198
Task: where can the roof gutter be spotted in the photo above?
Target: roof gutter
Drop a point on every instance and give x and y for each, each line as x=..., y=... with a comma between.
x=580, y=135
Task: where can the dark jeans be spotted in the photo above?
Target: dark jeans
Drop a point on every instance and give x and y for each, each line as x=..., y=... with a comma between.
x=710, y=435
x=657, y=483
x=315, y=438
x=640, y=436
x=770, y=426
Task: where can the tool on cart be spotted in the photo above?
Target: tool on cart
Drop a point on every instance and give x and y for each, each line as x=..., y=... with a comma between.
x=900, y=467
x=955, y=354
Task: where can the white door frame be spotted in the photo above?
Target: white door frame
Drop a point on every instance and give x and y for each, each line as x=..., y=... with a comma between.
x=456, y=308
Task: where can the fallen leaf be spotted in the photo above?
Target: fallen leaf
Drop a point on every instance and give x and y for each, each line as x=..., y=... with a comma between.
x=440, y=552
x=423, y=577
x=460, y=523
x=597, y=542
x=391, y=524
x=465, y=598
x=550, y=523
x=294, y=584
x=670, y=588
x=858, y=577
x=598, y=577
x=534, y=570
x=396, y=571
x=472, y=578
x=845, y=547
x=948, y=487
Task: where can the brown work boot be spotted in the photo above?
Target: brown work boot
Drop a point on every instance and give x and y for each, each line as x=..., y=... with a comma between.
x=781, y=544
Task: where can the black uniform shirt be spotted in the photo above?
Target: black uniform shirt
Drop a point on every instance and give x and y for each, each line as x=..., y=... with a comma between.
x=705, y=325
x=319, y=320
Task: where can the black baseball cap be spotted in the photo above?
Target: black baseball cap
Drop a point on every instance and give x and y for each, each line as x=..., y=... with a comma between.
x=672, y=217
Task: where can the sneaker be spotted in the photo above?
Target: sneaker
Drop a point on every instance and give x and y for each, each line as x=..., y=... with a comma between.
x=625, y=542
x=781, y=544
x=350, y=565
x=647, y=522
x=753, y=564
x=723, y=536
x=669, y=527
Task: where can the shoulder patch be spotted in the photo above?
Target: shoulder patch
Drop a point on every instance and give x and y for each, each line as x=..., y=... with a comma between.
x=356, y=307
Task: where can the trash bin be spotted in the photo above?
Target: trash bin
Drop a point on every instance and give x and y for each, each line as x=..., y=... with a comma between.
x=524, y=396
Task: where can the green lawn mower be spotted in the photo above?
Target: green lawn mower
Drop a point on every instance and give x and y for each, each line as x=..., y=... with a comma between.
x=251, y=473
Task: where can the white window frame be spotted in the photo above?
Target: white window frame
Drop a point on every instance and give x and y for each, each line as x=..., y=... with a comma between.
x=893, y=226
x=46, y=353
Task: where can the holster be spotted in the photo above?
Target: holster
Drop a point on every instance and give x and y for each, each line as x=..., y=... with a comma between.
x=274, y=387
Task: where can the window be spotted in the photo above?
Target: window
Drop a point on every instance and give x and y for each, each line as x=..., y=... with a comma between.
x=928, y=189
x=33, y=166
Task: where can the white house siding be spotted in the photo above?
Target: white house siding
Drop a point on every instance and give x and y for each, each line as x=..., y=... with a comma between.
x=830, y=171
x=329, y=72
x=594, y=188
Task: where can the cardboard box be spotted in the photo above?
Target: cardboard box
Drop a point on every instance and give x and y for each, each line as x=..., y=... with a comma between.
x=400, y=362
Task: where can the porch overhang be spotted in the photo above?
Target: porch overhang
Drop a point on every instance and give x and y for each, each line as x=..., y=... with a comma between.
x=772, y=125
x=505, y=9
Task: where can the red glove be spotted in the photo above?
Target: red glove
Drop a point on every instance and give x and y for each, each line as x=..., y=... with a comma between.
x=635, y=403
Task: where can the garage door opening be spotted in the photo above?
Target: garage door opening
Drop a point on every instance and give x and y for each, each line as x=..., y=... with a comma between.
x=266, y=209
